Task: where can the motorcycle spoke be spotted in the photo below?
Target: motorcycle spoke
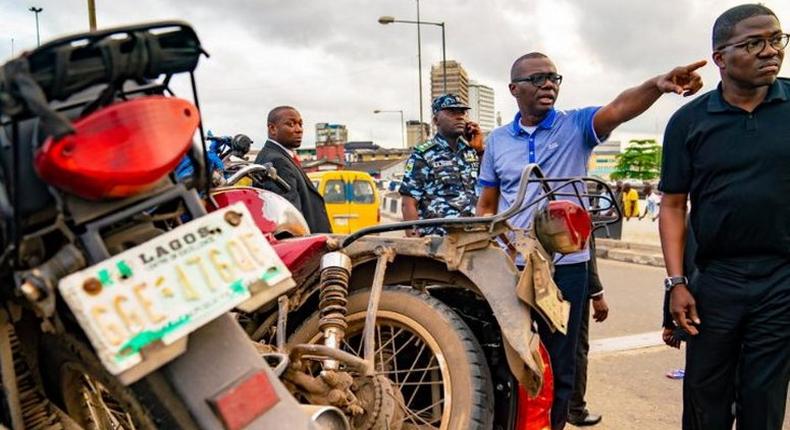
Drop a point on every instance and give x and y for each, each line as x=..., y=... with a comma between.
x=389, y=341
x=394, y=360
x=417, y=359
x=421, y=369
x=405, y=344
x=427, y=408
x=410, y=416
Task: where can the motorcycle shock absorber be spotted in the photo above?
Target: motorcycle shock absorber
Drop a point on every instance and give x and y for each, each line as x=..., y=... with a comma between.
x=333, y=301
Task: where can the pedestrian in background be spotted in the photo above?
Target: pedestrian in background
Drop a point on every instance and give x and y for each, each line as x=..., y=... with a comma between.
x=652, y=202
x=729, y=150
x=441, y=174
x=630, y=202
x=284, y=129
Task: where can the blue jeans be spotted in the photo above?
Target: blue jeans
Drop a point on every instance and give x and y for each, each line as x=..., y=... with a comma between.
x=572, y=281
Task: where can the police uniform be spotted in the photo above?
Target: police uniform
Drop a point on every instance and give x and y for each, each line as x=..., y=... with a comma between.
x=442, y=180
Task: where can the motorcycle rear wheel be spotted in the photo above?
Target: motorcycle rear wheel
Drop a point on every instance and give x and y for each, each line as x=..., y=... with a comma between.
x=427, y=352
x=91, y=396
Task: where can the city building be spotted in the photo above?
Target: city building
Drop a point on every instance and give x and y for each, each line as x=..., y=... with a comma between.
x=326, y=133
x=329, y=141
x=416, y=134
x=481, y=102
x=457, y=80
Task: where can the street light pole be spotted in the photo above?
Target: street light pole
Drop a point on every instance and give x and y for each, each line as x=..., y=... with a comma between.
x=92, y=14
x=444, y=60
x=419, y=64
x=37, y=10
x=402, y=124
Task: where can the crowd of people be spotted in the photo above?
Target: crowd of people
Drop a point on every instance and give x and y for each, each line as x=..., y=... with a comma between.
x=727, y=153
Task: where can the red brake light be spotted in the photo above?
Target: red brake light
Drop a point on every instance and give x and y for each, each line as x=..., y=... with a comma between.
x=563, y=227
x=245, y=400
x=534, y=413
x=120, y=150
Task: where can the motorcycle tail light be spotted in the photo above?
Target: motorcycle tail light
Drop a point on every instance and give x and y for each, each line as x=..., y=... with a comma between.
x=563, y=226
x=121, y=150
x=244, y=401
x=534, y=413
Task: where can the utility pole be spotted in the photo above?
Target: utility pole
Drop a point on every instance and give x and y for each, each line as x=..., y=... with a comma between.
x=12, y=46
x=37, y=10
x=92, y=14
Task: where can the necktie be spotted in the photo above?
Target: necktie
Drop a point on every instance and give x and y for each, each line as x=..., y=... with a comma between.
x=297, y=161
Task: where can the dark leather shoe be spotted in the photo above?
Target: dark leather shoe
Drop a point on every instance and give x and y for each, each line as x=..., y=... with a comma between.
x=585, y=420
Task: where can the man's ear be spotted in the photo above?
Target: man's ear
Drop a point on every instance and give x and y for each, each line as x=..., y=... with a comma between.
x=271, y=130
x=512, y=87
x=718, y=59
x=435, y=120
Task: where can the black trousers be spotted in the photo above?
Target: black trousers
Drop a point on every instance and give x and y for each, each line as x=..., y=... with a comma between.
x=572, y=281
x=578, y=405
x=744, y=307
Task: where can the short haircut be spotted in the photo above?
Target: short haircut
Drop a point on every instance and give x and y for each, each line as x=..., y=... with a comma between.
x=274, y=114
x=726, y=22
x=524, y=58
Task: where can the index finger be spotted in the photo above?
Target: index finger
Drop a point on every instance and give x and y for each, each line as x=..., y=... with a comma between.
x=695, y=65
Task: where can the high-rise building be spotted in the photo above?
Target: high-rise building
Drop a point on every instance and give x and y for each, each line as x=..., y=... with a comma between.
x=457, y=80
x=481, y=102
x=414, y=134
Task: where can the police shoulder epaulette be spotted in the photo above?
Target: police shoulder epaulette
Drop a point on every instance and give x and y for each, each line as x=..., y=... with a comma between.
x=428, y=144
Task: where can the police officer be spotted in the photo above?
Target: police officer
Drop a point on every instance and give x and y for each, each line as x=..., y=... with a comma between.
x=441, y=174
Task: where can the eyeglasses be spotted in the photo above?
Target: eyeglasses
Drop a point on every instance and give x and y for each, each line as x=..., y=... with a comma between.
x=539, y=79
x=755, y=46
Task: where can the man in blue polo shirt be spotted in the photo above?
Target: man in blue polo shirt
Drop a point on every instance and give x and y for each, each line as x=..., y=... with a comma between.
x=560, y=142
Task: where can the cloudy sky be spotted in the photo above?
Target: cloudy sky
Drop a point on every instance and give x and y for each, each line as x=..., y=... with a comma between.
x=335, y=63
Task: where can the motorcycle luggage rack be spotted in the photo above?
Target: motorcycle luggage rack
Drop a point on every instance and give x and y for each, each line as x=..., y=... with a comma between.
x=531, y=174
x=32, y=83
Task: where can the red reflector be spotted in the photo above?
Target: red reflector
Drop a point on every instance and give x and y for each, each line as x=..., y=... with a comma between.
x=120, y=150
x=245, y=400
x=535, y=413
x=563, y=227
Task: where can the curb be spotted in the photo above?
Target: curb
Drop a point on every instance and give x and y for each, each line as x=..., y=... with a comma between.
x=629, y=252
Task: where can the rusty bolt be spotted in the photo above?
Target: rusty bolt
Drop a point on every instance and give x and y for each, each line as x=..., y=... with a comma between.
x=92, y=286
x=233, y=218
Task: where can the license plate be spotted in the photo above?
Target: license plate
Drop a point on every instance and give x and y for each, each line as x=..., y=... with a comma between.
x=172, y=285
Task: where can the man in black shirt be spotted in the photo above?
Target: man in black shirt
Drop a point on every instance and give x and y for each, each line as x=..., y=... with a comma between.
x=730, y=150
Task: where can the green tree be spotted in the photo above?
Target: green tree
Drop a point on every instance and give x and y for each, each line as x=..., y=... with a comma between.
x=640, y=160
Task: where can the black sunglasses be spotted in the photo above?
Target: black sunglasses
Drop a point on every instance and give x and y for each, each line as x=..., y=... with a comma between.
x=539, y=79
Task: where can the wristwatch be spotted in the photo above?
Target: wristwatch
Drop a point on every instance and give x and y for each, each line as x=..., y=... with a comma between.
x=671, y=281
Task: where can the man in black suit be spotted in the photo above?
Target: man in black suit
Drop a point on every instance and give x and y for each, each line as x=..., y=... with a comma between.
x=284, y=126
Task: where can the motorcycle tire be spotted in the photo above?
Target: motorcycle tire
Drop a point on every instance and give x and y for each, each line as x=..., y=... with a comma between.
x=76, y=380
x=442, y=330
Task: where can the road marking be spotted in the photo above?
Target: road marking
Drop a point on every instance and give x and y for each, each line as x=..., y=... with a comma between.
x=626, y=343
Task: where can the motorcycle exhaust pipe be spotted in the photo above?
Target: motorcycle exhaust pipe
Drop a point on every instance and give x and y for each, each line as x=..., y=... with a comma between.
x=327, y=417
